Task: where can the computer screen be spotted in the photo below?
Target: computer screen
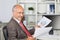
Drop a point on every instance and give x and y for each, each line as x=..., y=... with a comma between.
x=55, y=22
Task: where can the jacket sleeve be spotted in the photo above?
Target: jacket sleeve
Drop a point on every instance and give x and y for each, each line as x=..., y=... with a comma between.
x=32, y=31
x=11, y=33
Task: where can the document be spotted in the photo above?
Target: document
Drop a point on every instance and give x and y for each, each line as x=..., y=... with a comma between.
x=44, y=21
x=41, y=31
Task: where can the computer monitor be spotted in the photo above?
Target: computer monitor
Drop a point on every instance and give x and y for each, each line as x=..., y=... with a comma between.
x=55, y=22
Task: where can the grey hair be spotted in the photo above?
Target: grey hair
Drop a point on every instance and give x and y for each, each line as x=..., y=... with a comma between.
x=16, y=6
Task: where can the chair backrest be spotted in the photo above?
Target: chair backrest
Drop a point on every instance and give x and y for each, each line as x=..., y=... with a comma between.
x=5, y=32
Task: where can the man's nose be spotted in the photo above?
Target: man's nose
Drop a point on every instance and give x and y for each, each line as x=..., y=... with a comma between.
x=21, y=14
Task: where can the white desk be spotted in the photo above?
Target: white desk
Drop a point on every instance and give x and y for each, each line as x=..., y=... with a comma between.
x=49, y=37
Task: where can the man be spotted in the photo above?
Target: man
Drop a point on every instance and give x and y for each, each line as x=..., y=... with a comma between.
x=15, y=31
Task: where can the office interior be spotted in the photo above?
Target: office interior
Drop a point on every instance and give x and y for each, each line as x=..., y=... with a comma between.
x=34, y=10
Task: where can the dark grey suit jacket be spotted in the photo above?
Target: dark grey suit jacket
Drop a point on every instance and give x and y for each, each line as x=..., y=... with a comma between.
x=15, y=32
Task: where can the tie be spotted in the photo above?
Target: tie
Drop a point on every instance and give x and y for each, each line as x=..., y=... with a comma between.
x=25, y=30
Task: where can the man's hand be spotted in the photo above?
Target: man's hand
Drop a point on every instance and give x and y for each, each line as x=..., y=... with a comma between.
x=37, y=26
x=31, y=38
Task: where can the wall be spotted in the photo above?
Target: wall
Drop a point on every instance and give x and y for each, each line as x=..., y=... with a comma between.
x=6, y=9
x=5, y=12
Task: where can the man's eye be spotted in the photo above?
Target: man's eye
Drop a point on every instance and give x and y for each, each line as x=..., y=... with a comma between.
x=20, y=12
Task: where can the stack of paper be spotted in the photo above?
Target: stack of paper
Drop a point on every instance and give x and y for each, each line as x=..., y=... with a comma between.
x=42, y=30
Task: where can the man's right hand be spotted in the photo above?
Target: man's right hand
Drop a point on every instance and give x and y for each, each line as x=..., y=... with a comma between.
x=31, y=38
x=37, y=26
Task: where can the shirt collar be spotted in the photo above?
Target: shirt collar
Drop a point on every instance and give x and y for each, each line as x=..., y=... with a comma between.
x=16, y=20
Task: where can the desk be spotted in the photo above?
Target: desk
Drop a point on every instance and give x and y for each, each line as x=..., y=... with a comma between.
x=49, y=37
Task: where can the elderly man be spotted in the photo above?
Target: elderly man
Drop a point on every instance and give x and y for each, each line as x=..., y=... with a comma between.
x=15, y=26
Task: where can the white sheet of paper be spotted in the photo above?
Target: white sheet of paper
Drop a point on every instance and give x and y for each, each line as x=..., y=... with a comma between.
x=44, y=21
x=41, y=31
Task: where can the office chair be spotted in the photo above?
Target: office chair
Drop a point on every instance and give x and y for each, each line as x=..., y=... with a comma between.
x=5, y=32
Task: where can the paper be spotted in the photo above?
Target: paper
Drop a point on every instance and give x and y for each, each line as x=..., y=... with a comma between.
x=41, y=31
x=44, y=21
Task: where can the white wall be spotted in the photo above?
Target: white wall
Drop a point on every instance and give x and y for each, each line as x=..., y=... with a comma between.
x=6, y=9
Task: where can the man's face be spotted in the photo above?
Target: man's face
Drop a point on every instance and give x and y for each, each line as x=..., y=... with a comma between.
x=18, y=13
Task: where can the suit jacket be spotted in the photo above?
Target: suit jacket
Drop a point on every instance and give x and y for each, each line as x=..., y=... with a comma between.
x=15, y=32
